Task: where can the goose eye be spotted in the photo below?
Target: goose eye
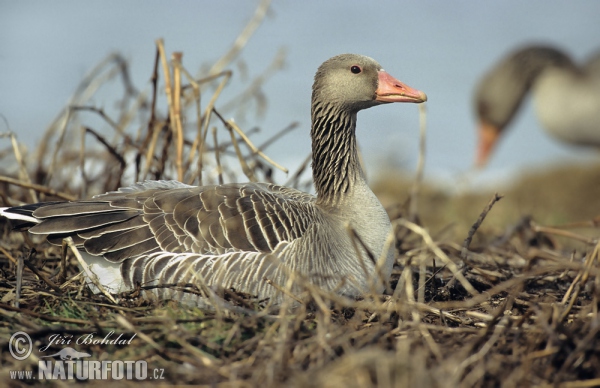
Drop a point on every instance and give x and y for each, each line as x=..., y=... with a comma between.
x=355, y=69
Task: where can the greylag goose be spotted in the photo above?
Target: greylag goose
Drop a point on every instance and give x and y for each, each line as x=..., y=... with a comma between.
x=238, y=236
x=566, y=97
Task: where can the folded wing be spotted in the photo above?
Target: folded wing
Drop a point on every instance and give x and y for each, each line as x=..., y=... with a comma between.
x=168, y=216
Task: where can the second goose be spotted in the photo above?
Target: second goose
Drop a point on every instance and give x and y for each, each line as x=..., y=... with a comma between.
x=566, y=97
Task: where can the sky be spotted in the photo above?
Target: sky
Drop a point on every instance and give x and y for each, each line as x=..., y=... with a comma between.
x=440, y=47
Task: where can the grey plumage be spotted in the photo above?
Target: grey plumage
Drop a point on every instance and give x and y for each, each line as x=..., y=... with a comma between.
x=240, y=235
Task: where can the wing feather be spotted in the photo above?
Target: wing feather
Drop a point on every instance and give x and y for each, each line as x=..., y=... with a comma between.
x=80, y=222
x=173, y=217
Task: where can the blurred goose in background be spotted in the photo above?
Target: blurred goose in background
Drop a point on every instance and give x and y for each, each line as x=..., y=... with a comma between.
x=566, y=97
x=240, y=235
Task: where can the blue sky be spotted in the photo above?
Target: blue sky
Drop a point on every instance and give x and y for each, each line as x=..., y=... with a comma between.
x=439, y=47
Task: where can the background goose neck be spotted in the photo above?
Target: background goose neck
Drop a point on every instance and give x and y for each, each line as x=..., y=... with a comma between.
x=501, y=91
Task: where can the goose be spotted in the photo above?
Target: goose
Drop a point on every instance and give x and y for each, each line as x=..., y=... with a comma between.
x=566, y=97
x=239, y=235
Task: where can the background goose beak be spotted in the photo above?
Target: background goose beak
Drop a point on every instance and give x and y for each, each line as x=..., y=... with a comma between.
x=389, y=89
x=488, y=136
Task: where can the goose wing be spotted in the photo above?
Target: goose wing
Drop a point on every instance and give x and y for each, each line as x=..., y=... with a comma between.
x=169, y=216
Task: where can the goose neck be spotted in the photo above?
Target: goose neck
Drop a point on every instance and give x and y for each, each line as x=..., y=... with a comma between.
x=335, y=164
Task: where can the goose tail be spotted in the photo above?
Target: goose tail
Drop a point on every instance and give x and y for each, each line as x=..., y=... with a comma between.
x=21, y=217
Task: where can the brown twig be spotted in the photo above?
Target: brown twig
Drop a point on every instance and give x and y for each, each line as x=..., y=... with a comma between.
x=176, y=118
x=217, y=158
x=39, y=188
x=416, y=187
x=113, y=152
x=38, y=273
x=150, y=128
x=477, y=224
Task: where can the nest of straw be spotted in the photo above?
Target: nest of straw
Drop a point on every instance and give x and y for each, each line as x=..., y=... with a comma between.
x=510, y=309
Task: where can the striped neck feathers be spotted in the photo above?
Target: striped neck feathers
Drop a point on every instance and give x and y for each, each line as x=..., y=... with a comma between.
x=335, y=164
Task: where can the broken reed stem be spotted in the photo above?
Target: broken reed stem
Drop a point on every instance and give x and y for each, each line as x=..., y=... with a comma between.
x=247, y=171
x=210, y=108
x=255, y=151
x=416, y=316
x=217, y=157
x=168, y=89
x=422, y=275
x=90, y=275
x=565, y=233
x=150, y=128
x=63, y=261
x=105, y=117
x=125, y=324
x=176, y=119
x=112, y=151
x=23, y=174
x=198, y=141
x=38, y=273
x=232, y=126
x=8, y=256
x=593, y=223
x=19, y=284
x=150, y=152
x=409, y=292
x=477, y=224
x=579, y=281
x=285, y=290
x=439, y=253
x=412, y=212
x=39, y=188
x=167, y=75
x=203, y=129
x=387, y=246
x=282, y=341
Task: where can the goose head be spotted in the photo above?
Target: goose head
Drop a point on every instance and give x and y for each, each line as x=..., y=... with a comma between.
x=352, y=82
x=344, y=85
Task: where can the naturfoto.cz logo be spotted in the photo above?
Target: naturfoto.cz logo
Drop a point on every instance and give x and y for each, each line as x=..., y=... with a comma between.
x=69, y=363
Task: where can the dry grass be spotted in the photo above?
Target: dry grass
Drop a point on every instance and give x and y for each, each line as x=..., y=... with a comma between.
x=513, y=306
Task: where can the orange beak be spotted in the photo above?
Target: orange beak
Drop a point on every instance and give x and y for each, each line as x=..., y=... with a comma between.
x=389, y=89
x=488, y=137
